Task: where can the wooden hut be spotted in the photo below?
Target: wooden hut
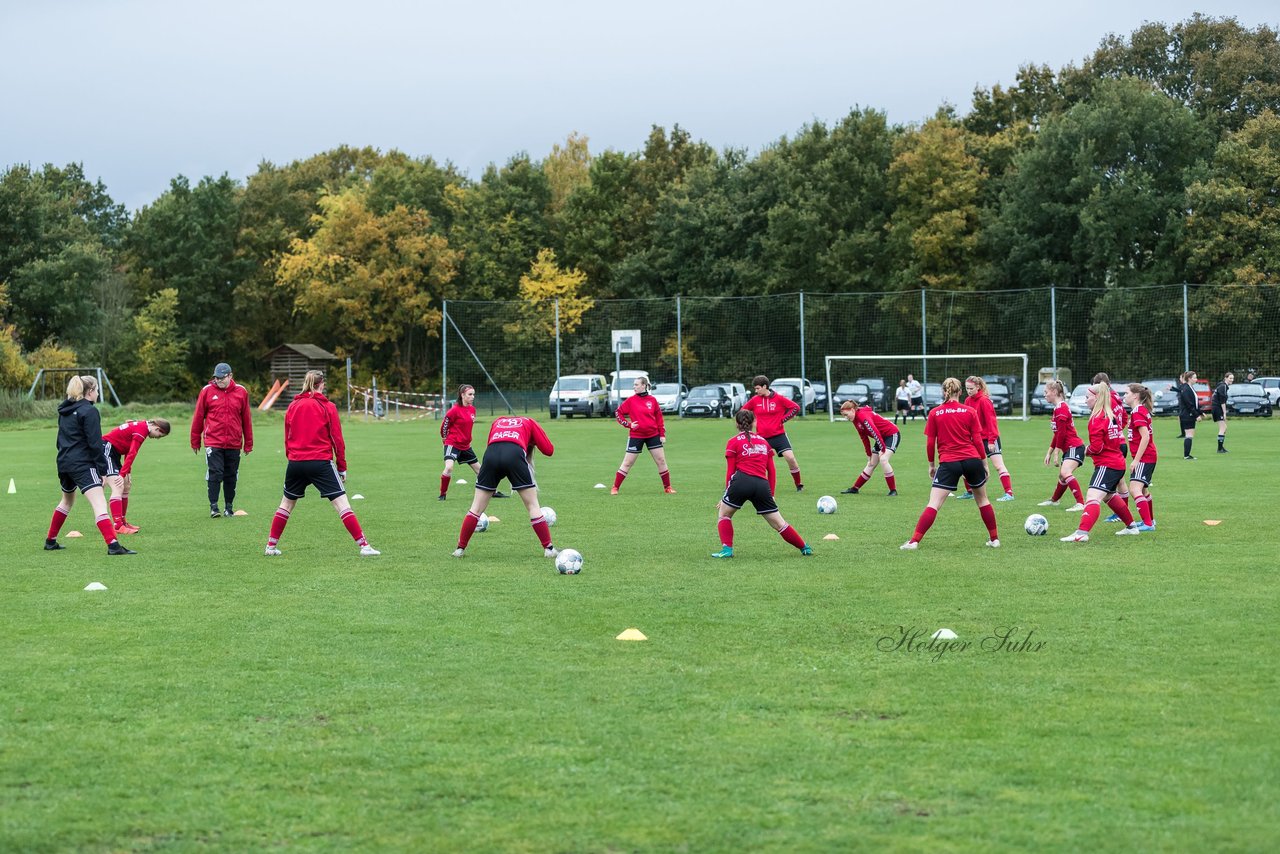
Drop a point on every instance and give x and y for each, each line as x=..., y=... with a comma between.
x=292, y=361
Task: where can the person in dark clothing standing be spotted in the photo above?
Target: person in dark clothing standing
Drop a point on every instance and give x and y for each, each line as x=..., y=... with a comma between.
x=1219, y=408
x=1188, y=412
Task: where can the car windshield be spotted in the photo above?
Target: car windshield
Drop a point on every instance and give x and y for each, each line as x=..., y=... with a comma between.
x=851, y=388
x=705, y=391
x=1245, y=389
x=1077, y=396
x=666, y=388
x=998, y=388
x=1159, y=386
x=1039, y=392
x=872, y=383
x=573, y=384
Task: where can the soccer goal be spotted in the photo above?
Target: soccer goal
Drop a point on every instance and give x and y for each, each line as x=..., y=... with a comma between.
x=876, y=379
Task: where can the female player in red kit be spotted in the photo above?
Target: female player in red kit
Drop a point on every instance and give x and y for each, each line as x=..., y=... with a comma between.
x=1105, y=438
x=879, y=440
x=976, y=396
x=642, y=416
x=127, y=439
x=954, y=437
x=512, y=440
x=1143, y=442
x=312, y=442
x=455, y=432
x=751, y=477
x=1066, y=450
x=772, y=410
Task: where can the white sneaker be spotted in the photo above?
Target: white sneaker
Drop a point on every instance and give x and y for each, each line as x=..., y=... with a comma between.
x=459, y=553
x=550, y=552
x=995, y=544
x=369, y=551
x=1008, y=496
x=909, y=546
x=1075, y=508
x=1131, y=530
x=1049, y=503
x=272, y=551
x=1077, y=537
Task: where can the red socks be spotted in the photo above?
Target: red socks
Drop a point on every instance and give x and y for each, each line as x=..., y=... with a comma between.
x=277, y=526
x=891, y=481
x=353, y=528
x=618, y=478
x=543, y=530
x=725, y=527
x=925, y=523
x=55, y=524
x=795, y=475
x=665, y=474
x=1144, y=509
x=1121, y=508
x=988, y=514
x=789, y=534
x=469, y=523
x=124, y=506
x=1075, y=489
x=117, y=511
x=444, y=483
x=863, y=477
x=1007, y=483
x=107, y=530
x=1059, y=489
x=1090, y=516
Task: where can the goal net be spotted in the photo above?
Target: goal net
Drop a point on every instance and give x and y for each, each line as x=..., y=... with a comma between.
x=877, y=378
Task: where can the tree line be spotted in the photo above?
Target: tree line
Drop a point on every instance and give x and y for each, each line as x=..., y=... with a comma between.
x=1156, y=160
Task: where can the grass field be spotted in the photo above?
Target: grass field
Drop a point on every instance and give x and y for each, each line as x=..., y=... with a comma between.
x=214, y=699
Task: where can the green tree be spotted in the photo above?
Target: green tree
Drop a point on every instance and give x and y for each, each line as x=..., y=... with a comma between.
x=159, y=352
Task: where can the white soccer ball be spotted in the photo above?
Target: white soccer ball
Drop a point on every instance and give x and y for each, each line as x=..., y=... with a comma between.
x=569, y=562
x=483, y=524
x=549, y=515
x=826, y=505
x=1036, y=525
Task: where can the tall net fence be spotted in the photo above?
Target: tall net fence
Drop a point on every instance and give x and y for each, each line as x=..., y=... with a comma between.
x=512, y=352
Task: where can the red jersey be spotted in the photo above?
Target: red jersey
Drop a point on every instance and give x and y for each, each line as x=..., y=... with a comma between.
x=953, y=429
x=1139, y=418
x=523, y=431
x=643, y=415
x=456, y=427
x=312, y=430
x=1105, y=436
x=981, y=404
x=872, y=429
x=1064, y=428
x=749, y=453
x=128, y=439
x=223, y=418
x=771, y=413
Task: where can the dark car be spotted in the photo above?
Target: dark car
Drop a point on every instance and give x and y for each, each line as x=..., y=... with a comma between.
x=1164, y=395
x=857, y=392
x=707, y=401
x=1248, y=399
x=932, y=395
x=881, y=392
x=820, y=395
x=790, y=391
x=1000, y=400
x=1009, y=381
x=1039, y=405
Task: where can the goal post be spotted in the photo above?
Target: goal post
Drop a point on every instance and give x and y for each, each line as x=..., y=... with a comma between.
x=882, y=373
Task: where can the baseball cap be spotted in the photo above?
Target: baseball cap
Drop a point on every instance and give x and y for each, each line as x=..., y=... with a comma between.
x=222, y=370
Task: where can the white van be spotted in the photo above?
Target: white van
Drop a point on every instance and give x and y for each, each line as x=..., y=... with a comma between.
x=622, y=386
x=579, y=394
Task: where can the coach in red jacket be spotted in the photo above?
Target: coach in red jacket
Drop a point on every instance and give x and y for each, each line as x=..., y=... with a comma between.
x=224, y=424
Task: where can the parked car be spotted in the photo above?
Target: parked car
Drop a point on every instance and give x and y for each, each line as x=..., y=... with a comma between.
x=882, y=393
x=708, y=401
x=1039, y=405
x=1204, y=395
x=810, y=397
x=737, y=393
x=791, y=391
x=579, y=394
x=1164, y=395
x=1121, y=389
x=932, y=395
x=857, y=392
x=622, y=386
x=670, y=396
x=820, y=396
x=1248, y=399
x=1010, y=381
x=1000, y=399
x=1076, y=403
x=1271, y=385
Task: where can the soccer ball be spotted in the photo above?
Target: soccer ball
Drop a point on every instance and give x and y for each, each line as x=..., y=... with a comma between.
x=483, y=524
x=569, y=562
x=549, y=515
x=1036, y=525
x=826, y=505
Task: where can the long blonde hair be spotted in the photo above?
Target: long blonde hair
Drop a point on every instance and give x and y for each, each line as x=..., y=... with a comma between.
x=1102, y=403
x=311, y=380
x=980, y=383
x=1058, y=388
x=951, y=388
x=78, y=387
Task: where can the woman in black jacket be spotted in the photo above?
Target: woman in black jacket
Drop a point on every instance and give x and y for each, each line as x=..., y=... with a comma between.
x=1188, y=412
x=82, y=462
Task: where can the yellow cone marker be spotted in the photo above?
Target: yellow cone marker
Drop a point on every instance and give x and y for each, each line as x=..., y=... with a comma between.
x=240, y=513
x=830, y=537
x=632, y=634
x=1212, y=522
x=13, y=487
x=494, y=519
x=72, y=534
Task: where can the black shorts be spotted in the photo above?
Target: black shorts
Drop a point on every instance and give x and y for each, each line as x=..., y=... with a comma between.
x=1076, y=453
x=1143, y=473
x=636, y=444
x=1106, y=479
x=948, y=474
x=903, y=405
x=891, y=444
x=1187, y=422
x=779, y=443
x=917, y=403
x=466, y=456
x=322, y=474
x=112, y=458
x=1218, y=413
x=747, y=487
x=993, y=446
x=83, y=479
x=505, y=459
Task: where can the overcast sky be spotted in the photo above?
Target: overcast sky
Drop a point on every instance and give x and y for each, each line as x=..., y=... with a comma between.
x=141, y=91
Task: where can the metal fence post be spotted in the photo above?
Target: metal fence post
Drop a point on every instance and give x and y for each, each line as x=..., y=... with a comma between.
x=444, y=357
x=1053, y=327
x=802, y=375
x=557, y=354
x=679, y=360
x=924, y=340
x=1186, y=337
